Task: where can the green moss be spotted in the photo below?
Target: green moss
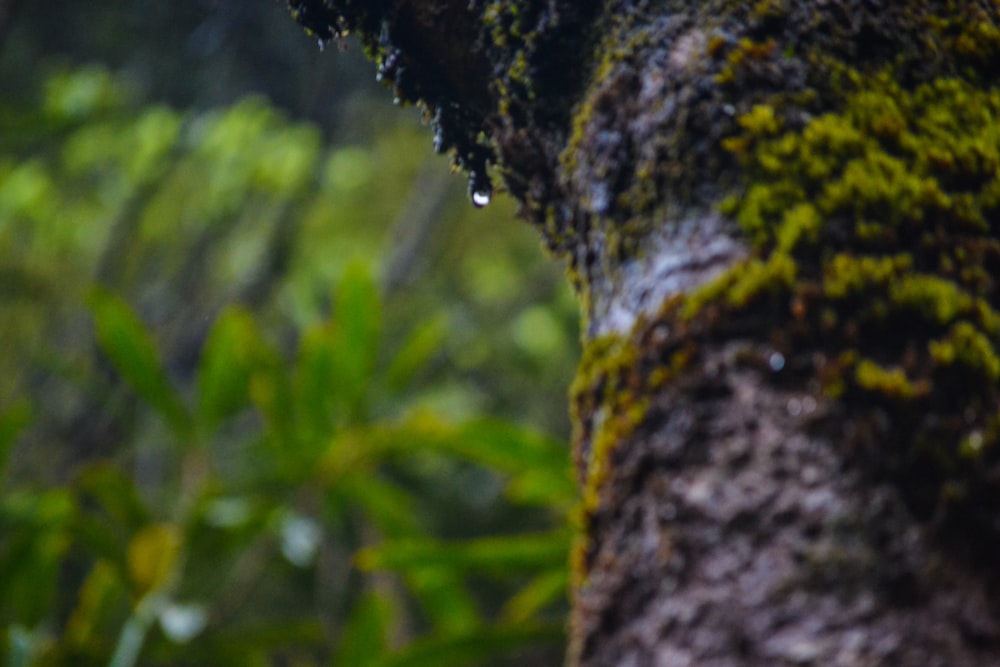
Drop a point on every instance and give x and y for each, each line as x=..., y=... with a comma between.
x=846, y=275
x=601, y=400
x=890, y=382
x=966, y=345
x=604, y=411
x=876, y=225
x=610, y=400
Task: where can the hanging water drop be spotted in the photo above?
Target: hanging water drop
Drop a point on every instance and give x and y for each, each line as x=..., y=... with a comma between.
x=480, y=189
x=481, y=198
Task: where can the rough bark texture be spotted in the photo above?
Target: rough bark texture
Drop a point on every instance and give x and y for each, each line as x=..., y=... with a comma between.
x=782, y=220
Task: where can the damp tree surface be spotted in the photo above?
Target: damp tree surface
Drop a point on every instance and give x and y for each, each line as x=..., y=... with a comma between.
x=781, y=218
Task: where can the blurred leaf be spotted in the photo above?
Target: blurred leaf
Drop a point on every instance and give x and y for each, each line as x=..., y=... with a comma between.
x=101, y=607
x=544, y=590
x=481, y=645
x=34, y=538
x=132, y=350
x=358, y=318
x=271, y=392
x=366, y=633
x=152, y=556
x=77, y=93
x=538, y=466
x=386, y=505
x=445, y=598
x=545, y=488
x=115, y=493
x=232, y=350
x=425, y=341
x=320, y=388
x=538, y=332
x=501, y=555
x=508, y=447
x=239, y=643
x=13, y=420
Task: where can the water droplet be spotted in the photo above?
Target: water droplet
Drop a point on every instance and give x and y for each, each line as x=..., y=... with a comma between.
x=481, y=198
x=480, y=189
x=777, y=361
x=322, y=44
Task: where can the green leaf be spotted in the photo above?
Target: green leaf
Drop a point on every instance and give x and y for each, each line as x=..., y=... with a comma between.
x=416, y=352
x=34, y=538
x=502, y=555
x=366, y=633
x=133, y=352
x=231, y=353
x=321, y=395
x=544, y=590
x=116, y=494
x=13, y=420
x=271, y=392
x=388, y=506
x=509, y=448
x=444, y=597
x=545, y=488
x=538, y=466
x=481, y=645
x=102, y=605
x=358, y=318
x=153, y=553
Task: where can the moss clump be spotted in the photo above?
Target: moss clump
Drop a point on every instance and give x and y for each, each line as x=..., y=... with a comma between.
x=877, y=227
x=610, y=400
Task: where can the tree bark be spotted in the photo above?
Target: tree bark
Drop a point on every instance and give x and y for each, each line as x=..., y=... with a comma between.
x=782, y=220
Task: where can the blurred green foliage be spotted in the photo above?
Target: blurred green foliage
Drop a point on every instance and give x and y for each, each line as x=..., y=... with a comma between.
x=267, y=398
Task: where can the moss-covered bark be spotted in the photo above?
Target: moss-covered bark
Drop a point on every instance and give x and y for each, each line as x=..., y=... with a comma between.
x=783, y=221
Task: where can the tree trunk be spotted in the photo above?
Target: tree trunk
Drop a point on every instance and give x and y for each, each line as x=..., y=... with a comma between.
x=782, y=221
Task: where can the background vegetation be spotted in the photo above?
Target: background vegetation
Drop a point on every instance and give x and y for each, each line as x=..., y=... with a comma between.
x=272, y=392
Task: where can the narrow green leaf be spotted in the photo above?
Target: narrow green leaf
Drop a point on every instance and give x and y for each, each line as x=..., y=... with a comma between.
x=13, y=420
x=232, y=350
x=36, y=536
x=388, y=506
x=133, y=351
x=510, y=447
x=544, y=488
x=102, y=604
x=272, y=394
x=365, y=635
x=321, y=393
x=544, y=590
x=445, y=598
x=416, y=352
x=115, y=493
x=358, y=318
x=358, y=311
x=515, y=553
x=481, y=645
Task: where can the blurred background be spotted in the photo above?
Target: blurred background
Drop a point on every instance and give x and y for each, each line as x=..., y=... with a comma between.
x=272, y=391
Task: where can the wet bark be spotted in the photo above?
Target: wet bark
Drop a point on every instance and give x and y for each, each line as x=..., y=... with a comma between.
x=781, y=219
